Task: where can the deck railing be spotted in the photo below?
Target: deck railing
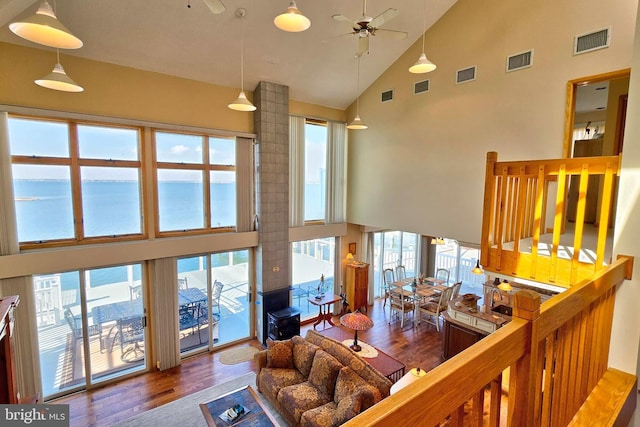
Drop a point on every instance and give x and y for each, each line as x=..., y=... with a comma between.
x=516, y=197
x=556, y=352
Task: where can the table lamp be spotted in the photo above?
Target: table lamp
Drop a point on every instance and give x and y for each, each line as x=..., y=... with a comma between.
x=358, y=322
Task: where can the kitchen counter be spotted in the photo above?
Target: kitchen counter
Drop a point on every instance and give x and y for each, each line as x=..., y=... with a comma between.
x=465, y=310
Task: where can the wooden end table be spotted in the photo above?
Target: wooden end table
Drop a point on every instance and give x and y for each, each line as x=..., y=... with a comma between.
x=324, y=305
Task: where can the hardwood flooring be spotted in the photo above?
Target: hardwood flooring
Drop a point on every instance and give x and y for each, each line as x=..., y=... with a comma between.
x=414, y=346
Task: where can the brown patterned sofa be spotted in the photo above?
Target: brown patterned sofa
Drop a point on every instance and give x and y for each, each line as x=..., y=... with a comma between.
x=317, y=381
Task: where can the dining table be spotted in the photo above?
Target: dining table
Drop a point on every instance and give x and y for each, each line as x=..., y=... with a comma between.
x=430, y=287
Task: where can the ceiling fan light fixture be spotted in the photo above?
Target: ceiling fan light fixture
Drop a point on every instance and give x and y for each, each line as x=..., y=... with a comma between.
x=422, y=65
x=58, y=80
x=357, y=124
x=292, y=20
x=45, y=29
x=242, y=103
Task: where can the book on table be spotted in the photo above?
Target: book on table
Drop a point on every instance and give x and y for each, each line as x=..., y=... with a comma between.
x=234, y=414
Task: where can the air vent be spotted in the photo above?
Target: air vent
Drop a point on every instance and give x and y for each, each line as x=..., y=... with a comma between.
x=520, y=61
x=584, y=43
x=466, y=75
x=421, y=87
x=386, y=96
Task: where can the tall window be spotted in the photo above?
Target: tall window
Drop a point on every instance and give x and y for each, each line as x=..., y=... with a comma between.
x=196, y=182
x=74, y=181
x=460, y=260
x=315, y=170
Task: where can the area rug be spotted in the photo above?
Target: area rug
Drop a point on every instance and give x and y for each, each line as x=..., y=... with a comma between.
x=237, y=355
x=185, y=412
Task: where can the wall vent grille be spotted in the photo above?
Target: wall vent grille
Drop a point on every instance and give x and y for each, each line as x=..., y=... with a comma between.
x=466, y=75
x=520, y=61
x=589, y=42
x=421, y=87
x=386, y=96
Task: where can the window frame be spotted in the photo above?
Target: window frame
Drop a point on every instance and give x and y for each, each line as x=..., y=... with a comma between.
x=323, y=220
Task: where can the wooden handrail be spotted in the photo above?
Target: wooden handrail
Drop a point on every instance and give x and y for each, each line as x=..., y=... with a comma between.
x=544, y=346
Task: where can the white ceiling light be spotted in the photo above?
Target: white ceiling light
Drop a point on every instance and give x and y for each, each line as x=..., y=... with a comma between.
x=292, y=20
x=44, y=28
x=357, y=123
x=58, y=80
x=242, y=103
x=423, y=65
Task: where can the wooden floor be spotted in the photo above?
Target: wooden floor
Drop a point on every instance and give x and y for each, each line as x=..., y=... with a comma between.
x=414, y=346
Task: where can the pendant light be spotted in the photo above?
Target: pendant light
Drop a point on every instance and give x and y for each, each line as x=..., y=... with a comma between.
x=477, y=269
x=292, y=20
x=44, y=28
x=58, y=79
x=357, y=123
x=242, y=103
x=423, y=65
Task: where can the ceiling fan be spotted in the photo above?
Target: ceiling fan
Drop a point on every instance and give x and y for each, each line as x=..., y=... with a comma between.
x=366, y=26
x=215, y=6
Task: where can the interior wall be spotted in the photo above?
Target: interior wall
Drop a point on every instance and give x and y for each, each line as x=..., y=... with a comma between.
x=420, y=165
x=617, y=88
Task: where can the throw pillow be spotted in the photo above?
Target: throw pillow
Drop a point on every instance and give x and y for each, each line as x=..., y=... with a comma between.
x=348, y=408
x=324, y=372
x=349, y=383
x=279, y=354
x=303, y=353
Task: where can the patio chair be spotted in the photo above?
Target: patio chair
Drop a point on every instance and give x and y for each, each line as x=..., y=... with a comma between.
x=400, y=304
x=189, y=318
x=215, y=296
x=75, y=323
x=433, y=307
x=443, y=274
x=131, y=331
x=388, y=279
x=401, y=272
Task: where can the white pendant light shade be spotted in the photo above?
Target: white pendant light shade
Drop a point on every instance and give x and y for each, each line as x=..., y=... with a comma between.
x=357, y=124
x=58, y=80
x=423, y=65
x=292, y=20
x=242, y=103
x=44, y=28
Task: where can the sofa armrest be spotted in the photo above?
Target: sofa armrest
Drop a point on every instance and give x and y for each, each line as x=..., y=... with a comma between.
x=261, y=359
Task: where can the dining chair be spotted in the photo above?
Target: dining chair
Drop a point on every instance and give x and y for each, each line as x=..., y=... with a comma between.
x=433, y=308
x=401, y=272
x=443, y=274
x=401, y=305
x=456, y=290
x=388, y=278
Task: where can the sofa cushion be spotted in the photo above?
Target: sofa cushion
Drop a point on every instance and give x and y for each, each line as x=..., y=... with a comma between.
x=299, y=398
x=324, y=372
x=348, y=408
x=303, y=353
x=272, y=380
x=349, y=383
x=279, y=354
x=322, y=416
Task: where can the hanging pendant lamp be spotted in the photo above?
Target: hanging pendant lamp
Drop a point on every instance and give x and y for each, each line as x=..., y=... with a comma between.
x=58, y=79
x=44, y=28
x=423, y=65
x=242, y=103
x=292, y=20
x=357, y=123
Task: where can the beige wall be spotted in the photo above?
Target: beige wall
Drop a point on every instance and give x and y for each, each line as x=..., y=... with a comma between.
x=617, y=88
x=424, y=155
x=116, y=91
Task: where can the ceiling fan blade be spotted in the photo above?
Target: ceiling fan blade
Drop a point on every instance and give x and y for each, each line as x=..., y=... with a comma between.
x=363, y=46
x=343, y=18
x=215, y=6
x=385, y=16
x=391, y=34
x=335, y=37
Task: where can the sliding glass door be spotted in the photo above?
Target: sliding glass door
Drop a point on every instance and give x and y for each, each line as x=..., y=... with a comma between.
x=391, y=249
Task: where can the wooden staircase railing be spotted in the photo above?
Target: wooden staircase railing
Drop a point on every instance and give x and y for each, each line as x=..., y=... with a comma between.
x=557, y=354
x=516, y=197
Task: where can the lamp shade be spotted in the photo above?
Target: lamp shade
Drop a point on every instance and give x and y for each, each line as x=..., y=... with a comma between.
x=477, y=269
x=58, y=80
x=292, y=20
x=505, y=286
x=349, y=256
x=356, y=321
x=44, y=28
x=357, y=124
x=423, y=65
x=242, y=103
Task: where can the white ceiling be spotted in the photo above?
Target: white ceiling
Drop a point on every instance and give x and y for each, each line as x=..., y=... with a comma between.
x=166, y=36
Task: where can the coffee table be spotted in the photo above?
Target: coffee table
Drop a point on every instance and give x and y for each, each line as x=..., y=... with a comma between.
x=257, y=414
x=388, y=366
